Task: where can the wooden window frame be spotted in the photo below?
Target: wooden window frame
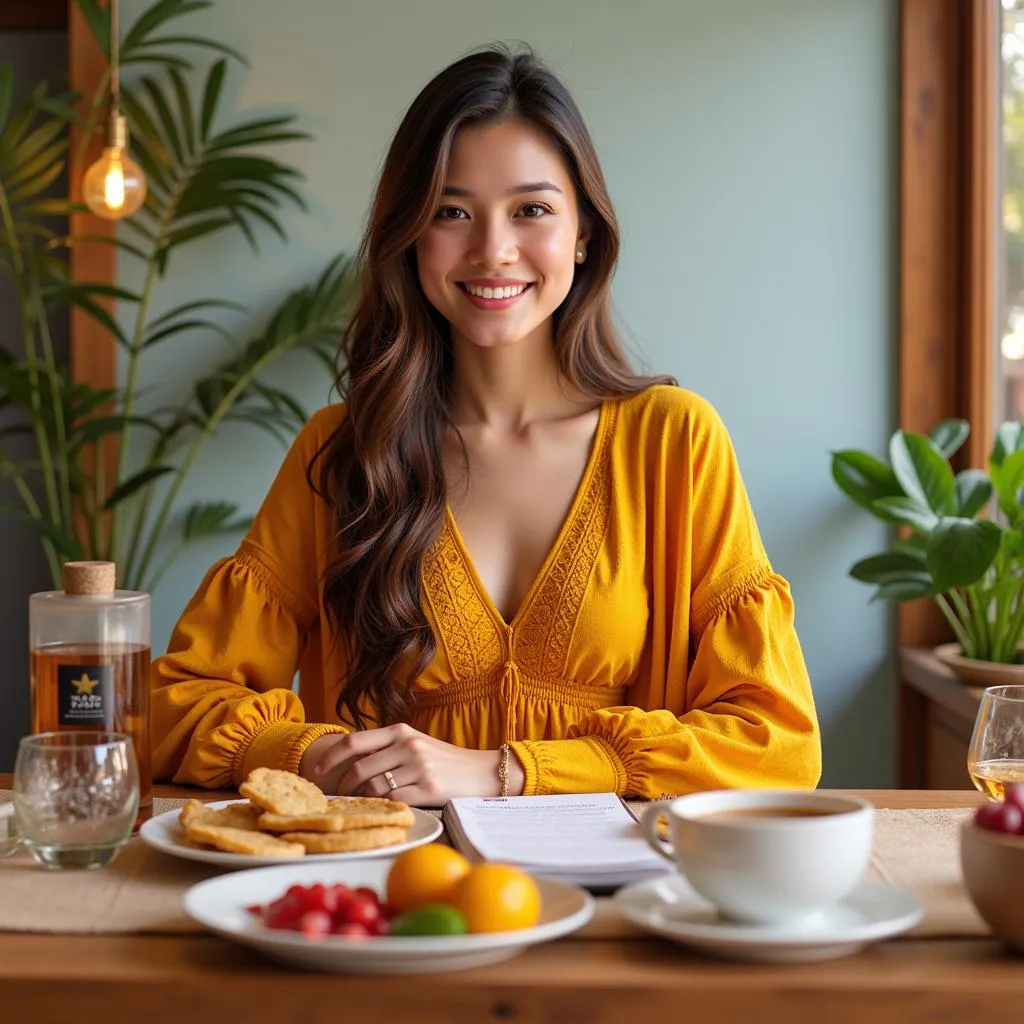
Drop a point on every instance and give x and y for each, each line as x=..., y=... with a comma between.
x=948, y=65
x=948, y=73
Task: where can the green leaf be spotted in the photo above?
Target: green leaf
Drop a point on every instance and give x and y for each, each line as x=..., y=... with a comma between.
x=39, y=141
x=98, y=313
x=211, y=96
x=973, y=490
x=167, y=121
x=36, y=186
x=190, y=307
x=905, y=510
x=133, y=483
x=188, y=124
x=156, y=16
x=908, y=589
x=62, y=537
x=175, y=42
x=1008, y=478
x=114, y=240
x=94, y=429
x=6, y=93
x=261, y=420
x=887, y=567
x=950, y=435
x=212, y=518
x=961, y=551
x=98, y=20
x=83, y=399
x=32, y=170
x=1009, y=438
x=1013, y=543
x=169, y=330
x=198, y=229
x=923, y=471
x=863, y=478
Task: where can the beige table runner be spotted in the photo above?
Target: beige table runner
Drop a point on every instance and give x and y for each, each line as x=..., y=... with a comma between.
x=141, y=890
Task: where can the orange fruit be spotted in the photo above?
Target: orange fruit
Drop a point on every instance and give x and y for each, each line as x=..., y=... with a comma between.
x=424, y=874
x=497, y=898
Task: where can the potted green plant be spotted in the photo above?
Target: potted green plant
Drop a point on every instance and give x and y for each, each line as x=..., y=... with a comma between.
x=959, y=539
x=207, y=175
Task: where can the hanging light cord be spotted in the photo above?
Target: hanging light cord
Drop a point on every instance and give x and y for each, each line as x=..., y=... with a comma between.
x=115, y=58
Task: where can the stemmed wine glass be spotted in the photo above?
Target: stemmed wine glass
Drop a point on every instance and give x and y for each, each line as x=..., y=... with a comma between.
x=996, y=755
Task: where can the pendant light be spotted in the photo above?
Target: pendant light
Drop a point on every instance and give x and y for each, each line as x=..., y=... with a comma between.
x=114, y=187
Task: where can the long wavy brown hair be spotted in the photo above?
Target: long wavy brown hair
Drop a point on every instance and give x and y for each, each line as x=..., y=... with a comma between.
x=381, y=471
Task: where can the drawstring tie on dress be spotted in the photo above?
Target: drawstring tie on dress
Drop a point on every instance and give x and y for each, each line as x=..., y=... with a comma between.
x=510, y=689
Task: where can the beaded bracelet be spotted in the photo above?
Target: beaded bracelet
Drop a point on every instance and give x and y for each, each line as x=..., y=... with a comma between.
x=504, y=754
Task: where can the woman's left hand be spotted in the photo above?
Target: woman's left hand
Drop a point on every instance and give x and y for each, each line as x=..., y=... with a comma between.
x=426, y=771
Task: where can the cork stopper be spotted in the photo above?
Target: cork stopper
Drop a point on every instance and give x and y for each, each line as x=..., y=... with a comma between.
x=89, y=577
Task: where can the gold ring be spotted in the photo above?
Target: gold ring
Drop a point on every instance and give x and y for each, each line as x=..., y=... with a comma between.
x=392, y=785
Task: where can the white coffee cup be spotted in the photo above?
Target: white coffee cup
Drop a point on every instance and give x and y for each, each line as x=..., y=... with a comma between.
x=766, y=856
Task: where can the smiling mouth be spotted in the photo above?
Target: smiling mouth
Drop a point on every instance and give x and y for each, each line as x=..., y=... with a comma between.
x=494, y=294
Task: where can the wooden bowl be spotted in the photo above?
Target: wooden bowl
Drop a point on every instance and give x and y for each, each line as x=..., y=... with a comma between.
x=993, y=868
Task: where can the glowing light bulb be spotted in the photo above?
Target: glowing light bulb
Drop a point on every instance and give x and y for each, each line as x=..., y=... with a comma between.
x=114, y=186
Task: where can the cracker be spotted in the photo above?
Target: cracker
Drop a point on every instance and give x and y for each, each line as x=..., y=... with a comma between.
x=347, y=842
x=343, y=814
x=240, y=815
x=238, y=840
x=283, y=792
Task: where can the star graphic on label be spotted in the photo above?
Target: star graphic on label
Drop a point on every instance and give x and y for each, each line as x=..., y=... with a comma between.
x=85, y=685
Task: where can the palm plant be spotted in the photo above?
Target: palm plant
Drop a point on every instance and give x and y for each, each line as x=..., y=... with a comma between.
x=203, y=180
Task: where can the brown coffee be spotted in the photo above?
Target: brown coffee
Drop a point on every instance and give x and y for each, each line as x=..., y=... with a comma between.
x=741, y=813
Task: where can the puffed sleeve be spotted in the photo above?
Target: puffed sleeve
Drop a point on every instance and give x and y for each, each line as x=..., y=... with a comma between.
x=723, y=698
x=222, y=701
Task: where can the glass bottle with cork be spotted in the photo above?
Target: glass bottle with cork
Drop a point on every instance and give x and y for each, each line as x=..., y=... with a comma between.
x=90, y=653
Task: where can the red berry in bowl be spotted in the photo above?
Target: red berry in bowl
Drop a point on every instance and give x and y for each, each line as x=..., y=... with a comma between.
x=1000, y=817
x=315, y=923
x=1014, y=794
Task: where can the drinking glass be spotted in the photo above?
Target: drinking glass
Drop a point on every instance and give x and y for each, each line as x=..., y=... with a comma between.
x=996, y=754
x=75, y=796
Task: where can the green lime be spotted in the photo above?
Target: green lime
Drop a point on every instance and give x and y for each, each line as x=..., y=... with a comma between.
x=430, y=919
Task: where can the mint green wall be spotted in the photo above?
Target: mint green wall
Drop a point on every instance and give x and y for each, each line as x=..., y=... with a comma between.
x=750, y=148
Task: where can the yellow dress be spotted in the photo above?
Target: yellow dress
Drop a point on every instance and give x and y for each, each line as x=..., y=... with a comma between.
x=655, y=652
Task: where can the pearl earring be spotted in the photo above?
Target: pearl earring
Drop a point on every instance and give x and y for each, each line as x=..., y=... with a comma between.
x=580, y=255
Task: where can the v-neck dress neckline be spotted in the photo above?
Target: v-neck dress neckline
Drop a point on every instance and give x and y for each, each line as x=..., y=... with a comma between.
x=580, y=498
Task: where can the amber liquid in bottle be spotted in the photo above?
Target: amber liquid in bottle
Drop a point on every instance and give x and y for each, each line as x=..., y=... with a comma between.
x=79, y=680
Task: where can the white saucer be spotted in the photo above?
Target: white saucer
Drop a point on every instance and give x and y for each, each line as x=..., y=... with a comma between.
x=669, y=907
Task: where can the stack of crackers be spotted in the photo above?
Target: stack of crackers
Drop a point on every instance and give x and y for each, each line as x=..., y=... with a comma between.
x=288, y=816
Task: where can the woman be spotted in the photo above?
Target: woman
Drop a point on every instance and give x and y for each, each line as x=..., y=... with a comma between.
x=507, y=564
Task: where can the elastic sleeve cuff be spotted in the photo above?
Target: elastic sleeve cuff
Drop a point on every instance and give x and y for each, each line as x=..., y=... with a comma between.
x=279, y=746
x=585, y=765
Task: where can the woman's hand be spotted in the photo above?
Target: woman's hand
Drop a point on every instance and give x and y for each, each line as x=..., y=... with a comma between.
x=427, y=772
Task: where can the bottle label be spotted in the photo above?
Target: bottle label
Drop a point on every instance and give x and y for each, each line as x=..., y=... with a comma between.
x=85, y=694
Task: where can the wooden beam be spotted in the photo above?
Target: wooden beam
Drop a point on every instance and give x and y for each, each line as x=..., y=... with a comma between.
x=93, y=352
x=33, y=16
x=947, y=186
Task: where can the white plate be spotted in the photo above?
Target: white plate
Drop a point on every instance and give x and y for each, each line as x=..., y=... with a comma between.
x=220, y=904
x=669, y=907
x=165, y=833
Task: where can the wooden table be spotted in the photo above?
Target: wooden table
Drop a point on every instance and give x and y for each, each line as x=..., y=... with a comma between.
x=207, y=980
